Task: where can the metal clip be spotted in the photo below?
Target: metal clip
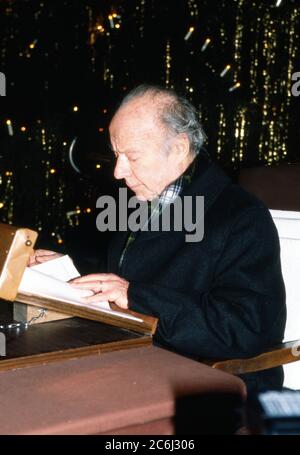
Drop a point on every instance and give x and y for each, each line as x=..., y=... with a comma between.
x=42, y=314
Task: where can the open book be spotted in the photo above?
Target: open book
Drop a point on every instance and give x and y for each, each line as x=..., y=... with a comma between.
x=47, y=285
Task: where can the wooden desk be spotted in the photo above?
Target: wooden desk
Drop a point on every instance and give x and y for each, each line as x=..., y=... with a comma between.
x=126, y=392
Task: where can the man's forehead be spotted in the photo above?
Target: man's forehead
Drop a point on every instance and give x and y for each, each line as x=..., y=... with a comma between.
x=127, y=135
x=133, y=121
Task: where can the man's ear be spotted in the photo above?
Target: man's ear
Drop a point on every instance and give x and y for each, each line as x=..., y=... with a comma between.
x=182, y=145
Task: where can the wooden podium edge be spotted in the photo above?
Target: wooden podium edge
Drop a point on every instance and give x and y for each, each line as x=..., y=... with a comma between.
x=147, y=326
x=72, y=354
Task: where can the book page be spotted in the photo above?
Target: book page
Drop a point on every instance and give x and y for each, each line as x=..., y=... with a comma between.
x=61, y=268
x=39, y=284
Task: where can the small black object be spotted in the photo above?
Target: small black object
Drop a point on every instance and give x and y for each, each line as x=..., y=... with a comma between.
x=275, y=413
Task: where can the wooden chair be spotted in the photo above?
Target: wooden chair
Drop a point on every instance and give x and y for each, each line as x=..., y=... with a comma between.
x=279, y=188
x=280, y=355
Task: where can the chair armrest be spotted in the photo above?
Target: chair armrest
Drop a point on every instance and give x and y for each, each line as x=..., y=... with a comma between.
x=279, y=355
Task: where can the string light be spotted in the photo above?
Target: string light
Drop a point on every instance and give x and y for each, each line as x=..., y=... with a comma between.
x=141, y=10
x=193, y=8
x=234, y=87
x=168, y=63
x=10, y=127
x=240, y=125
x=221, y=131
x=33, y=44
x=278, y=3
x=225, y=70
x=111, y=21
x=238, y=40
x=70, y=213
x=206, y=43
x=189, y=33
x=114, y=20
x=75, y=108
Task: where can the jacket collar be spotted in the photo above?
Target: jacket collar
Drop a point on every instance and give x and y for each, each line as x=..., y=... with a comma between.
x=208, y=180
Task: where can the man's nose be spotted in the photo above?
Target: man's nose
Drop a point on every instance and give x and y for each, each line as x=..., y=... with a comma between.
x=122, y=168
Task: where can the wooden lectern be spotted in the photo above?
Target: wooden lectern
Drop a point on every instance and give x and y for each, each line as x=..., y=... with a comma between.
x=69, y=331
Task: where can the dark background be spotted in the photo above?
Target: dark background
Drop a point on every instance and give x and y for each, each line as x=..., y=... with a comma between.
x=60, y=54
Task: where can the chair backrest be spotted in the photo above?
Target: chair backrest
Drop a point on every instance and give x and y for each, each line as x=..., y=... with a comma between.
x=288, y=227
x=279, y=188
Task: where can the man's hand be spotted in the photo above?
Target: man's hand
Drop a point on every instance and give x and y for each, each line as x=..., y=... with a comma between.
x=40, y=256
x=106, y=286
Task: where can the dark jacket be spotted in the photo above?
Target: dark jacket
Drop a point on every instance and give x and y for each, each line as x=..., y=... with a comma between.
x=222, y=297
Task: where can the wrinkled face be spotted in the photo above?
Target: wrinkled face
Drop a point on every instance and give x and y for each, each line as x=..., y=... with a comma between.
x=144, y=149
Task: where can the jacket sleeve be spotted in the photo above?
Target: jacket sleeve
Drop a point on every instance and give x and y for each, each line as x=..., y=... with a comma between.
x=241, y=314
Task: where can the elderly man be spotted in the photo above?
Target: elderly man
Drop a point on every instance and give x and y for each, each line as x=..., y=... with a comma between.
x=221, y=297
